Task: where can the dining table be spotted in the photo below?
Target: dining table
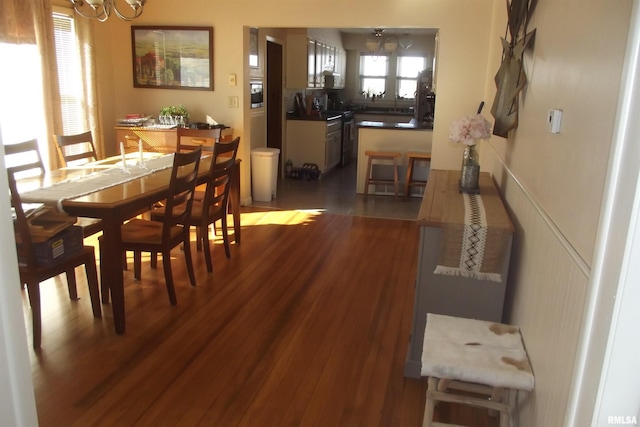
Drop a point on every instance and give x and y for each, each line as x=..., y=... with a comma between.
x=132, y=195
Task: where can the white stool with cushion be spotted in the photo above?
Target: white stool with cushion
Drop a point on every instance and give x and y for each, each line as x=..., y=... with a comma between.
x=462, y=356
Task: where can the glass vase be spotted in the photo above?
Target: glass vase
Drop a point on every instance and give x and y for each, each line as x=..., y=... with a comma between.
x=470, y=171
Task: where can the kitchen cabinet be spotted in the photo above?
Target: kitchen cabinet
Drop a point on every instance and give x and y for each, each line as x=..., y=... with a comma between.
x=308, y=60
x=455, y=295
x=314, y=141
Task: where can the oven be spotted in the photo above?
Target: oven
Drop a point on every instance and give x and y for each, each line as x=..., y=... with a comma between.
x=348, y=137
x=257, y=98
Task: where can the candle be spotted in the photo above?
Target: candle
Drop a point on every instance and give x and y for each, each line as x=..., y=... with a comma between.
x=124, y=162
x=140, y=151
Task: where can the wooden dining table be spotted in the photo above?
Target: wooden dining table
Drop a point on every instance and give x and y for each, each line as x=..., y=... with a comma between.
x=118, y=203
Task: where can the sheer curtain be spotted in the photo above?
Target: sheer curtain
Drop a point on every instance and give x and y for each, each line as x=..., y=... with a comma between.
x=28, y=22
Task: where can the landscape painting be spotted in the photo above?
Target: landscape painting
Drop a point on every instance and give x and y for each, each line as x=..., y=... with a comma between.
x=172, y=57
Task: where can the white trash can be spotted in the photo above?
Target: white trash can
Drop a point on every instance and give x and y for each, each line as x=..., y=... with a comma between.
x=264, y=173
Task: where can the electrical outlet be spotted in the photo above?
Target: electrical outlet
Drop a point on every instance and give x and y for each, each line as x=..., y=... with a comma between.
x=233, y=102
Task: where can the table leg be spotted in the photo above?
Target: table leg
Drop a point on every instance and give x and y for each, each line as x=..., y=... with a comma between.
x=111, y=266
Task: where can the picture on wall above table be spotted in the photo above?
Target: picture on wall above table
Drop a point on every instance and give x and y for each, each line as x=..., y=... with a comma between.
x=168, y=57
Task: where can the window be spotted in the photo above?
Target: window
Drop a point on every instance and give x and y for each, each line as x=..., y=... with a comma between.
x=22, y=108
x=407, y=75
x=69, y=74
x=373, y=74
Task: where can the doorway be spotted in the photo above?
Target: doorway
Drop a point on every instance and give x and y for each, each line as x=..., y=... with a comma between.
x=274, y=98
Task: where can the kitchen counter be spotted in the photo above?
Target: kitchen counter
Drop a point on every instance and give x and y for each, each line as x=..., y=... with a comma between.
x=318, y=117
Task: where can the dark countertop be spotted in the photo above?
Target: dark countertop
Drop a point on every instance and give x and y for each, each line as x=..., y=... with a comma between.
x=390, y=125
x=315, y=118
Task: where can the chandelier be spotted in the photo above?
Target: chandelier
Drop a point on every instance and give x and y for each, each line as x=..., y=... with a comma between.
x=101, y=9
x=377, y=46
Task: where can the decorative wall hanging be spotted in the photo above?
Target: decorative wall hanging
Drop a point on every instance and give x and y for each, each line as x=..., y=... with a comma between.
x=172, y=57
x=511, y=78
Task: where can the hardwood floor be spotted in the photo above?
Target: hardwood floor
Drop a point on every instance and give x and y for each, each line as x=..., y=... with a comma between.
x=306, y=325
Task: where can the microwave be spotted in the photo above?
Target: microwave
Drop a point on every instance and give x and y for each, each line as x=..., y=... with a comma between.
x=257, y=96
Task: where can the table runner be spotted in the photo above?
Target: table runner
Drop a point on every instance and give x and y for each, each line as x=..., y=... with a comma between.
x=471, y=244
x=70, y=189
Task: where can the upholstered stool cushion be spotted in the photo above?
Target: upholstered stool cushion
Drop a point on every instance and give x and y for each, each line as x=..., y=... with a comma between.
x=475, y=351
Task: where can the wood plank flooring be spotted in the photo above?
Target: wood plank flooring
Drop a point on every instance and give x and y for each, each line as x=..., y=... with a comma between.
x=306, y=325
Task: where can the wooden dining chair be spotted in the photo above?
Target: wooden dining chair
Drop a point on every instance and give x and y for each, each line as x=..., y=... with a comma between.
x=24, y=159
x=213, y=206
x=33, y=273
x=76, y=149
x=143, y=235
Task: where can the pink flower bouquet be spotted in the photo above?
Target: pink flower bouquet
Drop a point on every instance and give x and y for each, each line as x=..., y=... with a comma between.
x=468, y=129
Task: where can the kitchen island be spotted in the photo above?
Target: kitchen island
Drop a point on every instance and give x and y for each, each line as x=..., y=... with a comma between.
x=390, y=136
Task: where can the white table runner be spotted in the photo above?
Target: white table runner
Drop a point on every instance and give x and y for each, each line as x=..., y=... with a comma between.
x=72, y=188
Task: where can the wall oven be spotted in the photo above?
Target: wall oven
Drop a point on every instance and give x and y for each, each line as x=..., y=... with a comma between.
x=257, y=97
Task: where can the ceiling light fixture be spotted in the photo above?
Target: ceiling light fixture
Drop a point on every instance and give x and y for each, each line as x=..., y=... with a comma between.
x=406, y=42
x=101, y=9
x=376, y=46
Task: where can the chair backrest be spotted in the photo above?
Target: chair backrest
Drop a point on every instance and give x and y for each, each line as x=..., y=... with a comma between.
x=182, y=186
x=21, y=225
x=190, y=139
x=24, y=158
x=76, y=149
x=222, y=166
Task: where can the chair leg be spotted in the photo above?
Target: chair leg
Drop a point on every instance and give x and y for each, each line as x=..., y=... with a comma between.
x=104, y=286
x=92, y=282
x=207, y=249
x=408, y=177
x=189, y=259
x=225, y=236
x=396, y=183
x=199, y=238
x=71, y=284
x=168, y=276
x=367, y=178
x=153, y=259
x=36, y=315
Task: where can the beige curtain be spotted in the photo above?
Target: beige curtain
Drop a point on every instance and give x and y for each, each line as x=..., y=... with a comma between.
x=30, y=21
x=87, y=58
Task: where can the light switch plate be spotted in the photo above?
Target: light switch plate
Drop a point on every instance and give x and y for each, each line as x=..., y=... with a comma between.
x=233, y=102
x=232, y=80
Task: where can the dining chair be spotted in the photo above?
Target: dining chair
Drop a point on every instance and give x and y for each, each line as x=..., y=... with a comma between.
x=214, y=204
x=76, y=149
x=32, y=273
x=24, y=159
x=149, y=235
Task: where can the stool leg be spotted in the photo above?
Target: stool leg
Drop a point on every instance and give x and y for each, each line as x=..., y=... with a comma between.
x=396, y=183
x=408, y=177
x=430, y=403
x=366, y=182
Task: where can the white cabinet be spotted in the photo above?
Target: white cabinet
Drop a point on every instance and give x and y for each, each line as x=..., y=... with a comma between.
x=308, y=60
x=314, y=141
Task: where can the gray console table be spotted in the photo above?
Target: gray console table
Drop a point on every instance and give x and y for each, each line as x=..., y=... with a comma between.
x=453, y=295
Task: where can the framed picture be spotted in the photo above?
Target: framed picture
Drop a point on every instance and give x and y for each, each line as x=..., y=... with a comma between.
x=172, y=57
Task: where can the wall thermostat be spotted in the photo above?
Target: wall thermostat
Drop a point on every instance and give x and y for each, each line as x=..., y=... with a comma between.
x=554, y=119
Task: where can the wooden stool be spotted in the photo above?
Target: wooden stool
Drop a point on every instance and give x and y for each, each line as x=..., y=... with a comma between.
x=382, y=155
x=409, y=182
x=463, y=356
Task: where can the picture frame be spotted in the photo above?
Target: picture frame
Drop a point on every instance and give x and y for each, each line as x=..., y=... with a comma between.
x=170, y=57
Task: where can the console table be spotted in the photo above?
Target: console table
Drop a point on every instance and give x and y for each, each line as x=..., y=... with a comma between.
x=155, y=138
x=455, y=295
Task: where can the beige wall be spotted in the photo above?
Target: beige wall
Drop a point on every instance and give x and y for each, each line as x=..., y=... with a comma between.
x=552, y=184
